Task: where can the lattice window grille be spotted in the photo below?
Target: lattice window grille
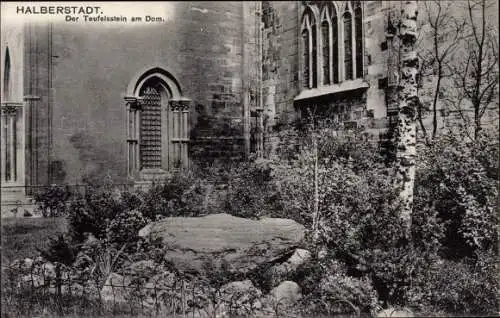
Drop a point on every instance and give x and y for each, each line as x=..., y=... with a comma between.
x=151, y=129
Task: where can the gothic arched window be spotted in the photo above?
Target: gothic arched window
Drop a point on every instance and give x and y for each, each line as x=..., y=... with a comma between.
x=6, y=76
x=335, y=45
x=309, y=55
x=358, y=26
x=158, y=124
x=150, y=126
x=325, y=44
x=306, y=57
x=332, y=35
x=348, y=47
x=314, y=54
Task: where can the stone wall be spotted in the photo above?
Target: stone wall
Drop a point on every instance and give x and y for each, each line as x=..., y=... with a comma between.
x=280, y=59
x=81, y=73
x=93, y=65
x=39, y=103
x=281, y=69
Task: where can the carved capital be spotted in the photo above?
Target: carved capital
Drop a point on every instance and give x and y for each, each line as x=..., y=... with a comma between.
x=11, y=108
x=133, y=102
x=182, y=104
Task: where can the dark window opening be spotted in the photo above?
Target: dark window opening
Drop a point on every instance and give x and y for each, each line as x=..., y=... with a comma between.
x=326, y=52
x=305, y=39
x=358, y=20
x=348, y=58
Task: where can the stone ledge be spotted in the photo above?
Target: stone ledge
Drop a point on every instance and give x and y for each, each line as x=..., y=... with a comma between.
x=333, y=89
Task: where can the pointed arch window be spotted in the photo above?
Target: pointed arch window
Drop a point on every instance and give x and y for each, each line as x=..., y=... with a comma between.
x=348, y=47
x=309, y=49
x=9, y=128
x=314, y=54
x=6, y=76
x=335, y=45
x=325, y=45
x=332, y=35
x=305, y=42
x=157, y=124
x=358, y=26
x=150, y=127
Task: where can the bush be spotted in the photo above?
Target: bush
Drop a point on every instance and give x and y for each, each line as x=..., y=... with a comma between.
x=59, y=250
x=181, y=194
x=457, y=287
x=359, y=223
x=330, y=290
x=92, y=213
x=252, y=192
x=124, y=228
x=455, y=181
x=52, y=201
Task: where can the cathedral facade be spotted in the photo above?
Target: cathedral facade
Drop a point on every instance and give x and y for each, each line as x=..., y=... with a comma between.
x=213, y=81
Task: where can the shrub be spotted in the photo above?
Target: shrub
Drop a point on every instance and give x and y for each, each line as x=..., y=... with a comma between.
x=181, y=194
x=92, y=212
x=457, y=287
x=124, y=228
x=59, y=250
x=330, y=290
x=52, y=200
x=455, y=181
x=252, y=192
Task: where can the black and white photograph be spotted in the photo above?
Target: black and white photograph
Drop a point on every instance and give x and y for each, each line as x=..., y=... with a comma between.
x=213, y=159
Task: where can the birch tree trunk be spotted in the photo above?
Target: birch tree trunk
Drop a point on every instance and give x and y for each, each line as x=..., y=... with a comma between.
x=405, y=140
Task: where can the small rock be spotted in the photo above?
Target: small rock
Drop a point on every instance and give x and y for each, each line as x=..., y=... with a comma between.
x=241, y=298
x=146, y=231
x=287, y=293
x=49, y=270
x=394, y=312
x=282, y=271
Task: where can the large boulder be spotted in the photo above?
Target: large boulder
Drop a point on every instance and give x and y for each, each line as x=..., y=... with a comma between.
x=200, y=244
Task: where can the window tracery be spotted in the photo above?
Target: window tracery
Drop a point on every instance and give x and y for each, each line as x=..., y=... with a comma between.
x=332, y=39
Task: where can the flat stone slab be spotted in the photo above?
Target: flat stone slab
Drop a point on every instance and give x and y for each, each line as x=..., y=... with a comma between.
x=243, y=244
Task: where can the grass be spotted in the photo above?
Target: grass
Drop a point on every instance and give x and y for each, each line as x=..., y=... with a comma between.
x=22, y=236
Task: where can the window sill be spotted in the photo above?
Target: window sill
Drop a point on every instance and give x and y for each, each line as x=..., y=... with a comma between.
x=332, y=89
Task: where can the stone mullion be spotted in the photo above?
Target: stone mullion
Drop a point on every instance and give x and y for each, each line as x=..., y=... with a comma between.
x=185, y=155
x=137, y=147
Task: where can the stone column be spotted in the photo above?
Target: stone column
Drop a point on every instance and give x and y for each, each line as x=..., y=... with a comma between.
x=10, y=116
x=133, y=134
x=13, y=150
x=179, y=132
